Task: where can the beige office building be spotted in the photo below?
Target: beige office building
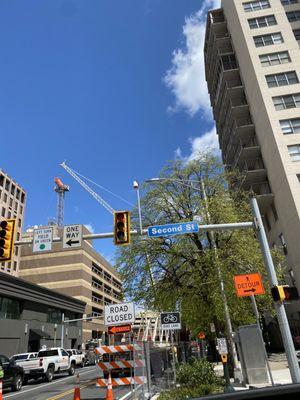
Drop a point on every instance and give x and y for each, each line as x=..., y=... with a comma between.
x=12, y=205
x=252, y=62
x=80, y=272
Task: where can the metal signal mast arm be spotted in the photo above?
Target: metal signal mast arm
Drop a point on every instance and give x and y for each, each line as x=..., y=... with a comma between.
x=87, y=188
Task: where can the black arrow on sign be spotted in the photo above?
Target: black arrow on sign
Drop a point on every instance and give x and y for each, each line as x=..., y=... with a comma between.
x=250, y=290
x=70, y=242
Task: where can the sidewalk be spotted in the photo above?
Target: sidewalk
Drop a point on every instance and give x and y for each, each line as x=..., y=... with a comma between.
x=279, y=370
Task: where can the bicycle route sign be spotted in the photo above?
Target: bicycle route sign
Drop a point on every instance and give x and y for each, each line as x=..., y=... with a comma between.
x=170, y=320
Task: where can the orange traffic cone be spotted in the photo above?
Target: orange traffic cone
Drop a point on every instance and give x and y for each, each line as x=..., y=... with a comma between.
x=109, y=393
x=76, y=390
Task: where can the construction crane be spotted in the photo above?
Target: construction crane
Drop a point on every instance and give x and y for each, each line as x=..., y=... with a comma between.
x=87, y=188
x=60, y=189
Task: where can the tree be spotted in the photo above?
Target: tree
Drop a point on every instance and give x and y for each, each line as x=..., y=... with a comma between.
x=181, y=271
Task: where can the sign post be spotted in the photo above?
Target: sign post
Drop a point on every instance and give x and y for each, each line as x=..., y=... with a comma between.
x=72, y=236
x=42, y=239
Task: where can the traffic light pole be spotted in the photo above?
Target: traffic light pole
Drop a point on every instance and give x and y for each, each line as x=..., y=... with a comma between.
x=279, y=307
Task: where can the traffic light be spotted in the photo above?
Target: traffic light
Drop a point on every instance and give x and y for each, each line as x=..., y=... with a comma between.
x=7, y=238
x=122, y=228
x=285, y=292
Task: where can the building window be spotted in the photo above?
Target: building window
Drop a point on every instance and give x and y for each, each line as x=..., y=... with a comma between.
x=287, y=101
x=229, y=62
x=10, y=202
x=294, y=152
x=3, y=212
x=16, y=250
x=13, y=189
x=267, y=40
x=7, y=185
x=18, y=194
x=5, y=198
x=262, y=22
x=290, y=126
x=282, y=57
x=9, y=308
x=1, y=180
x=283, y=79
x=293, y=16
x=297, y=34
x=15, y=265
x=22, y=197
x=298, y=176
x=19, y=222
x=256, y=5
x=54, y=315
x=287, y=2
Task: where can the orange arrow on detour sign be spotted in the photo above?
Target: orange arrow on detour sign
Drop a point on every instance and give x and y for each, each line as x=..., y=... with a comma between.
x=248, y=284
x=113, y=330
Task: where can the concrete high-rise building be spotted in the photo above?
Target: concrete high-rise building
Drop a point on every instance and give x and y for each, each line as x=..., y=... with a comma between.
x=252, y=64
x=81, y=273
x=12, y=205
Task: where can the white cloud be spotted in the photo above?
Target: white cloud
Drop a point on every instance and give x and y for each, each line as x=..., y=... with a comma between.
x=186, y=77
x=90, y=227
x=207, y=141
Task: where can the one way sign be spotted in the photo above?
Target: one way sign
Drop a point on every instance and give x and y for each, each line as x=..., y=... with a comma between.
x=72, y=236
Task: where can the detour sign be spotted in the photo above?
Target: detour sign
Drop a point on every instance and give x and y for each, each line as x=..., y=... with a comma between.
x=248, y=284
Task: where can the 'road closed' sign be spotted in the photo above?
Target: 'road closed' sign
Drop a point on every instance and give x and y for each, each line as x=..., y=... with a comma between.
x=119, y=314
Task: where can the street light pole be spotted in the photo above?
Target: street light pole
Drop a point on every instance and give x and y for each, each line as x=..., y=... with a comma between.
x=137, y=187
x=222, y=286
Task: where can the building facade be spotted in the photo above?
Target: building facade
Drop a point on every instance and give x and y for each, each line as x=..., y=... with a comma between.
x=31, y=316
x=81, y=273
x=12, y=205
x=252, y=64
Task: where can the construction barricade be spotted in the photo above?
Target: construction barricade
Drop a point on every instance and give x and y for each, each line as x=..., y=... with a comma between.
x=123, y=358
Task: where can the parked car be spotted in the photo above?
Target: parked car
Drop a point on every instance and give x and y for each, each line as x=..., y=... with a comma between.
x=79, y=357
x=13, y=374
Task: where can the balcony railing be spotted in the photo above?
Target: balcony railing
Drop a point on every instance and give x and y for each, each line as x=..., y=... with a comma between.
x=253, y=165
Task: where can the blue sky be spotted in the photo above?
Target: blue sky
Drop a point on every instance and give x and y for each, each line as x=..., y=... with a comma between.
x=115, y=88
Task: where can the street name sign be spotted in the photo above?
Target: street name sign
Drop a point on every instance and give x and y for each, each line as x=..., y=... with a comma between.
x=248, y=284
x=72, y=236
x=170, y=320
x=114, y=330
x=119, y=314
x=173, y=229
x=42, y=239
x=222, y=346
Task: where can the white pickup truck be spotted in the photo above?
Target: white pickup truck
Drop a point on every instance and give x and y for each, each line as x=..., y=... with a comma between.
x=79, y=357
x=48, y=362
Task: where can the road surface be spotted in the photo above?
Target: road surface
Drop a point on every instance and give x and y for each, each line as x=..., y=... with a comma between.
x=62, y=388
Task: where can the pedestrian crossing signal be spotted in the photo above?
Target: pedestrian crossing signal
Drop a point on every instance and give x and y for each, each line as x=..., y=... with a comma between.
x=122, y=228
x=284, y=292
x=7, y=239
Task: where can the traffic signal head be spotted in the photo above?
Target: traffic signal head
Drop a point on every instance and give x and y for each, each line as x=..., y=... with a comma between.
x=281, y=293
x=7, y=238
x=122, y=228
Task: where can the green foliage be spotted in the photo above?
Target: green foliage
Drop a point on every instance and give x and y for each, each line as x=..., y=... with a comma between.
x=183, y=393
x=168, y=272
x=198, y=372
